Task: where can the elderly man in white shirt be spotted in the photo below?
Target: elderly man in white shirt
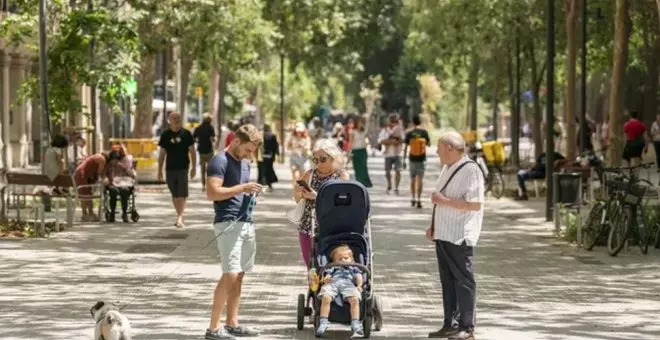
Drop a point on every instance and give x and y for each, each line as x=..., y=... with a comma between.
x=456, y=224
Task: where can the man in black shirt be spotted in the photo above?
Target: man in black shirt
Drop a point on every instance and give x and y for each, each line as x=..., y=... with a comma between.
x=178, y=145
x=204, y=135
x=415, y=145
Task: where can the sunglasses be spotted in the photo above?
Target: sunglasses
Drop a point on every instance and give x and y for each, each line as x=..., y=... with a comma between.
x=320, y=160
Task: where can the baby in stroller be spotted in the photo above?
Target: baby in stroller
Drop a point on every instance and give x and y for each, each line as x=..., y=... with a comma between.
x=119, y=182
x=344, y=282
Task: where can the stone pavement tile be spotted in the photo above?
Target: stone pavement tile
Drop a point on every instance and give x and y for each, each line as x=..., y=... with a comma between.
x=530, y=286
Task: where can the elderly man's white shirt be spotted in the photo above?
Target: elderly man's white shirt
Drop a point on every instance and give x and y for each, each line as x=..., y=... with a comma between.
x=453, y=225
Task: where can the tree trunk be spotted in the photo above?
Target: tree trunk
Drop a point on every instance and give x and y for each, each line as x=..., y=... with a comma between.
x=213, y=97
x=650, y=103
x=658, y=1
x=571, y=60
x=537, y=77
x=186, y=66
x=514, y=132
x=621, y=36
x=474, y=83
x=144, y=109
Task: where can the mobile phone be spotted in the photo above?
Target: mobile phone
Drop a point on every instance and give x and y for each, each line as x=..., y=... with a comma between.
x=304, y=184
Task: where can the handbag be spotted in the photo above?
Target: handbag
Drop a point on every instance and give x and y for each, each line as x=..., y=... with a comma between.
x=295, y=215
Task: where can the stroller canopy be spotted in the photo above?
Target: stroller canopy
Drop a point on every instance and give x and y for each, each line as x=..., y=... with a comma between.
x=342, y=207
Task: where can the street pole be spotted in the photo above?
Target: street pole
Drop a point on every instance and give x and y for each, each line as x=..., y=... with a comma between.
x=164, y=80
x=92, y=93
x=282, y=106
x=43, y=80
x=550, y=108
x=516, y=114
x=583, y=113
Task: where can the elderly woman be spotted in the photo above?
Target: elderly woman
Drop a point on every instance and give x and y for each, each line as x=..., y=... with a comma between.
x=328, y=162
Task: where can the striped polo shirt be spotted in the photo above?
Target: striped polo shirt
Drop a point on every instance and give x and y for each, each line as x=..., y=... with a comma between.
x=454, y=225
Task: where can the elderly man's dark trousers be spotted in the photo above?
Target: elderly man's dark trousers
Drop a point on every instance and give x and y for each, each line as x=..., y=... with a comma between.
x=459, y=290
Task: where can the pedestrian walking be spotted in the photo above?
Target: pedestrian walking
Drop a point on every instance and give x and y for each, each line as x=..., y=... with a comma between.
x=328, y=162
x=298, y=145
x=455, y=228
x=177, y=152
x=416, y=141
x=359, y=153
x=268, y=152
x=233, y=199
x=392, y=138
x=635, y=146
x=204, y=136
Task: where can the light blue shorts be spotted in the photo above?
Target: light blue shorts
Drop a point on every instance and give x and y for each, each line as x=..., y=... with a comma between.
x=342, y=287
x=237, y=246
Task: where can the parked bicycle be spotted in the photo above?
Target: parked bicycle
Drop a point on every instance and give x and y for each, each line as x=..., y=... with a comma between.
x=492, y=166
x=621, y=214
x=630, y=223
x=604, y=211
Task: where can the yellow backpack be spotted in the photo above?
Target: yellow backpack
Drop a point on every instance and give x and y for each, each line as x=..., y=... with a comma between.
x=417, y=146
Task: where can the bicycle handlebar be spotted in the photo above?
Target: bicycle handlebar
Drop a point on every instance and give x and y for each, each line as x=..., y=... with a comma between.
x=624, y=168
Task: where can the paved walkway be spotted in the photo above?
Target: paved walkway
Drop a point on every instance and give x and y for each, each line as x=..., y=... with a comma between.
x=530, y=286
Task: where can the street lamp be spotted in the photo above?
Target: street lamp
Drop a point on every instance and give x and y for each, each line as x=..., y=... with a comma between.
x=584, y=134
x=43, y=79
x=550, y=108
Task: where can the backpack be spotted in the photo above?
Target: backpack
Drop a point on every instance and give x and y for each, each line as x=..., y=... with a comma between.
x=417, y=146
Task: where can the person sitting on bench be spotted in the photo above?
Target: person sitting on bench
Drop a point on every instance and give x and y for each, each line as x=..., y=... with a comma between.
x=536, y=172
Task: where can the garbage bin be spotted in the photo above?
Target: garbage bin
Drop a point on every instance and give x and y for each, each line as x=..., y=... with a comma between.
x=567, y=191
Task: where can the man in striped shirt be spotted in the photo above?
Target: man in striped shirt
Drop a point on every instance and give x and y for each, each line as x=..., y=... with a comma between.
x=456, y=224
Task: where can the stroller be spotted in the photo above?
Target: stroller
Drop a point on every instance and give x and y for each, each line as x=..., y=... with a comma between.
x=342, y=216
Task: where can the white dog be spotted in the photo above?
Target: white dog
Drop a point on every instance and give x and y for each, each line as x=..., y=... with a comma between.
x=111, y=324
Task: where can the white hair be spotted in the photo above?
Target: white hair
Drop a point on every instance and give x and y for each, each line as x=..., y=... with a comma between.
x=329, y=146
x=453, y=139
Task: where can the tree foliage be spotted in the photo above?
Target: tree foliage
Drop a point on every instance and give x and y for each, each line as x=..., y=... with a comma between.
x=73, y=31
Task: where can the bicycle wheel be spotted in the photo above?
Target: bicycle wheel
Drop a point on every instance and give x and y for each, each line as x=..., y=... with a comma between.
x=619, y=231
x=593, y=226
x=496, y=184
x=642, y=231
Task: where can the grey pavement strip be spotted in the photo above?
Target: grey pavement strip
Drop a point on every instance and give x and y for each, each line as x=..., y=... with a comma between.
x=530, y=285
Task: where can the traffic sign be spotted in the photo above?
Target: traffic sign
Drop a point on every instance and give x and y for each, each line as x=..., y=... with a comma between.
x=199, y=91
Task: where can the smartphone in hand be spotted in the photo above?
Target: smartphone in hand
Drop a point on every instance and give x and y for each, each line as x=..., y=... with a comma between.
x=304, y=185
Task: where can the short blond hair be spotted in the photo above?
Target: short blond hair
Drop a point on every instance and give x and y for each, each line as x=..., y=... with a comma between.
x=249, y=133
x=342, y=248
x=330, y=147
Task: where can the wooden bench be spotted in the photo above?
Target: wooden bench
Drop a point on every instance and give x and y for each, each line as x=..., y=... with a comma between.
x=18, y=183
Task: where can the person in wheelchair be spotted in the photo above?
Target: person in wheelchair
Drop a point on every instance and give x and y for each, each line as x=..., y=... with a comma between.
x=119, y=182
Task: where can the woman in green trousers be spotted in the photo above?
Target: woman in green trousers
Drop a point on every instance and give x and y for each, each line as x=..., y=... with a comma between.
x=359, y=151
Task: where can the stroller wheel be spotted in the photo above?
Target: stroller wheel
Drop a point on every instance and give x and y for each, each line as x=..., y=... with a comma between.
x=366, y=324
x=301, y=311
x=135, y=216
